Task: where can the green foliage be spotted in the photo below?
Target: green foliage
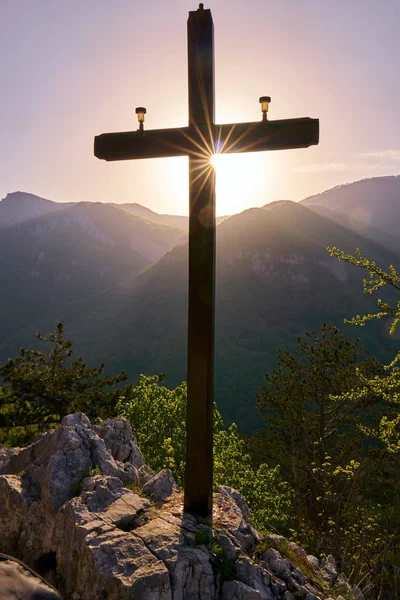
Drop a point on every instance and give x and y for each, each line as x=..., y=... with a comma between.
x=40, y=388
x=378, y=279
x=135, y=489
x=388, y=384
x=268, y=496
x=308, y=422
x=158, y=419
x=203, y=536
x=322, y=407
x=375, y=531
x=223, y=566
x=157, y=416
x=77, y=485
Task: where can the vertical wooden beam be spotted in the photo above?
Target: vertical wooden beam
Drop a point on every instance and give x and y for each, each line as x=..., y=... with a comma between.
x=200, y=369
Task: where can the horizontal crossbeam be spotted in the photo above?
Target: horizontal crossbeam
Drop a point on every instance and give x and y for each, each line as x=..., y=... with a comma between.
x=202, y=142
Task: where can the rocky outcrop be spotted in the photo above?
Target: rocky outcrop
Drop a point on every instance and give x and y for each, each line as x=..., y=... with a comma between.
x=80, y=506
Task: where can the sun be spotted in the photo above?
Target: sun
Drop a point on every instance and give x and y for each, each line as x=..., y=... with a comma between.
x=215, y=159
x=242, y=180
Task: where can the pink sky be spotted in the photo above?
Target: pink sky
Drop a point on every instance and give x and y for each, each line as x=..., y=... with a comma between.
x=71, y=70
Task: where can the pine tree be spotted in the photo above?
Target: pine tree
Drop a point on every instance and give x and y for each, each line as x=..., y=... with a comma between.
x=313, y=426
x=40, y=387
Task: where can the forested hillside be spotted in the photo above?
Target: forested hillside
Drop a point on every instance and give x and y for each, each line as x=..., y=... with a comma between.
x=275, y=280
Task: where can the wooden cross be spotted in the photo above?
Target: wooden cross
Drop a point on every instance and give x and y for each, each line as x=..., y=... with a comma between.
x=199, y=141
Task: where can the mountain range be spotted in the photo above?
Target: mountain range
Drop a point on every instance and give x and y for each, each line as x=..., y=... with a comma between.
x=275, y=281
x=65, y=252
x=373, y=201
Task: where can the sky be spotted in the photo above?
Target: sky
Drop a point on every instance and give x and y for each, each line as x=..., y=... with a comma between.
x=72, y=69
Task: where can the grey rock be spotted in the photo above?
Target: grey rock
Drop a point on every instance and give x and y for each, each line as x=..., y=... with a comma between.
x=288, y=565
x=161, y=486
x=272, y=555
x=193, y=576
x=118, y=505
x=5, y=454
x=144, y=474
x=238, y=499
x=137, y=572
x=13, y=507
x=236, y=590
x=278, y=588
x=328, y=570
x=231, y=550
x=57, y=461
x=290, y=581
x=358, y=593
x=311, y=589
x=73, y=501
x=313, y=560
x=255, y=576
x=75, y=419
x=246, y=541
x=343, y=587
x=312, y=597
x=18, y=459
x=329, y=560
x=119, y=441
x=299, y=576
x=18, y=581
x=278, y=565
x=297, y=549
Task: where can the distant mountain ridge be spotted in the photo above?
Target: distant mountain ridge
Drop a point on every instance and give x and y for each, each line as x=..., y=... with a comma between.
x=17, y=207
x=179, y=221
x=73, y=252
x=389, y=240
x=374, y=201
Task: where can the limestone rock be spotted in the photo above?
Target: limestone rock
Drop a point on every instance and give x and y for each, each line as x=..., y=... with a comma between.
x=144, y=474
x=18, y=581
x=299, y=576
x=76, y=419
x=161, y=486
x=296, y=548
x=313, y=560
x=193, y=576
x=236, y=590
x=238, y=499
x=256, y=576
x=230, y=549
x=72, y=503
x=328, y=570
x=119, y=441
x=358, y=593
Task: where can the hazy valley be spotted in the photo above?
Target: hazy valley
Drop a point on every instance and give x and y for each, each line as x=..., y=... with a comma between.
x=117, y=276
